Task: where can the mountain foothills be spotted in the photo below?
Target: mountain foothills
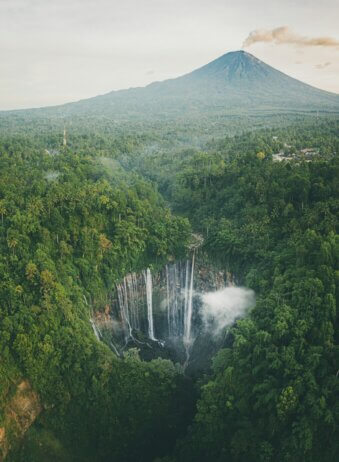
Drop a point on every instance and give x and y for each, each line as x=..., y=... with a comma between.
x=237, y=83
x=233, y=168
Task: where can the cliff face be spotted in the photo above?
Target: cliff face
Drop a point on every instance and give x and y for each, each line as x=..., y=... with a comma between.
x=20, y=412
x=125, y=321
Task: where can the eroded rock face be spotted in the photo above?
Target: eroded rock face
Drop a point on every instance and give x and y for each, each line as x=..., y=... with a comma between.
x=20, y=413
x=125, y=321
x=3, y=444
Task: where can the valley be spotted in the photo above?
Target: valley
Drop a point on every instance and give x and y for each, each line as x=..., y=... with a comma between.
x=168, y=272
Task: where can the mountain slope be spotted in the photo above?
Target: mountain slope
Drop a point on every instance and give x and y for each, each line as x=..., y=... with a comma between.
x=235, y=83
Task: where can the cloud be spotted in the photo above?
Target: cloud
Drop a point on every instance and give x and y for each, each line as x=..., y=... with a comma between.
x=221, y=308
x=322, y=65
x=285, y=35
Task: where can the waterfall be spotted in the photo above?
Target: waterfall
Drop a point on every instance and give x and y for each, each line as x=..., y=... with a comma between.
x=174, y=299
x=114, y=348
x=135, y=299
x=123, y=304
x=171, y=308
x=168, y=301
x=98, y=334
x=186, y=297
x=129, y=294
x=189, y=306
x=96, y=330
x=133, y=294
x=158, y=306
x=149, y=295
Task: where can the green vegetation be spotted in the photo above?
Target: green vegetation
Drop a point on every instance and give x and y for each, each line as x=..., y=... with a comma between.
x=68, y=230
x=272, y=394
x=74, y=220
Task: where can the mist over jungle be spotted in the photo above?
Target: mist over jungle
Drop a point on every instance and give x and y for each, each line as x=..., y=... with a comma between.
x=169, y=248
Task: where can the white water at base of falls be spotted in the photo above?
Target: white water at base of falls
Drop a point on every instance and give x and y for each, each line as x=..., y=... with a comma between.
x=149, y=298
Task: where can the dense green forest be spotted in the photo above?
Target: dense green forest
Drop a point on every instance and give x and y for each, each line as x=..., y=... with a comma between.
x=273, y=392
x=75, y=219
x=70, y=228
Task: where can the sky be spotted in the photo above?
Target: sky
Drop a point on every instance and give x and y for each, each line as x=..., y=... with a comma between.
x=57, y=51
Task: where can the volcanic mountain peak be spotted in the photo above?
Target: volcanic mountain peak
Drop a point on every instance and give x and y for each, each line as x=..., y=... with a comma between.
x=231, y=59
x=236, y=66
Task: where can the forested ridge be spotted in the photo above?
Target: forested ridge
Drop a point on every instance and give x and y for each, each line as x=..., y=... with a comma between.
x=273, y=393
x=74, y=220
x=68, y=231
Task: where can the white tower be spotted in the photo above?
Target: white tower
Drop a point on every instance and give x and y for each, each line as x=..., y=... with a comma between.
x=65, y=139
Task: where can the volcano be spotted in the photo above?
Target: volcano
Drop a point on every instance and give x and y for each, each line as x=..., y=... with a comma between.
x=235, y=83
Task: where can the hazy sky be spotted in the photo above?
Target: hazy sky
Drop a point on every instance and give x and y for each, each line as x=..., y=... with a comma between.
x=55, y=51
